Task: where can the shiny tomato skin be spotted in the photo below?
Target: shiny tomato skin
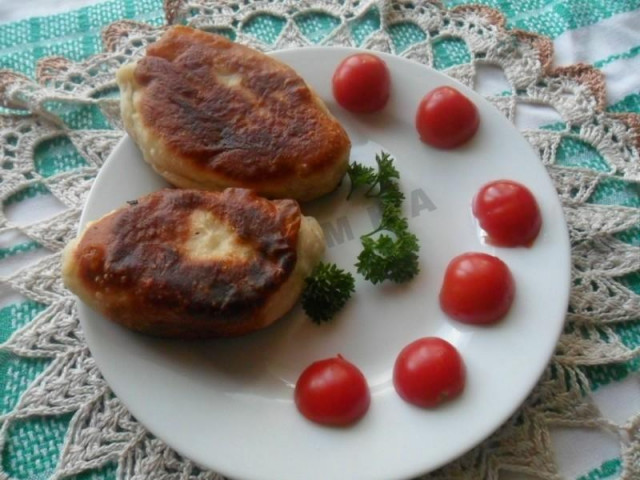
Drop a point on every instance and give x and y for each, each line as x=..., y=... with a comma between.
x=428, y=372
x=332, y=392
x=478, y=289
x=508, y=212
x=362, y=83
x=446, y=119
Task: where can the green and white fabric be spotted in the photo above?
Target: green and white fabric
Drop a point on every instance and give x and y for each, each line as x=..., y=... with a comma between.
x=59, y=122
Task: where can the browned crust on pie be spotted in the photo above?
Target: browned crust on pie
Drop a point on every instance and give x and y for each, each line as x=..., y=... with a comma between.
x=134, y=260
x=267, y=129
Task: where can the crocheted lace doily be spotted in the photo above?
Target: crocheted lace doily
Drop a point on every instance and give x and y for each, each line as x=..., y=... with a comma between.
x=101, y=430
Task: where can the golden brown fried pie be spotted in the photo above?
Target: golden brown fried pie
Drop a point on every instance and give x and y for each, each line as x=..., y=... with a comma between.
x=208, y=113
x=195, y=264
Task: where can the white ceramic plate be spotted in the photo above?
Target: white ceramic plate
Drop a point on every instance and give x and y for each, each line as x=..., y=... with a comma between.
x=228, y=404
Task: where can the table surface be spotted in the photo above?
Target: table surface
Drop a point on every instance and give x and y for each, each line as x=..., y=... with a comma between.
x=606, y=37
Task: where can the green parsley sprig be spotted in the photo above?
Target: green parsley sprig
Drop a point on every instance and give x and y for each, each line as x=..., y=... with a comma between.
x=390, y=252
x=326, y=292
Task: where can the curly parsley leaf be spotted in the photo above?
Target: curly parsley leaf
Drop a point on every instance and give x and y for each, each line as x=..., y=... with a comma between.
x=326, y=292
x=360, y=176
x=387, y=172
x=386, y=258
x=392, y=220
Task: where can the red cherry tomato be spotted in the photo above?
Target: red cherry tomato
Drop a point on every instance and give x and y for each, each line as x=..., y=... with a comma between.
x=508, y=212
x=332, y=392
x=477, y=288
x=428, y=372
x=361, y=83
x=446, y=118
